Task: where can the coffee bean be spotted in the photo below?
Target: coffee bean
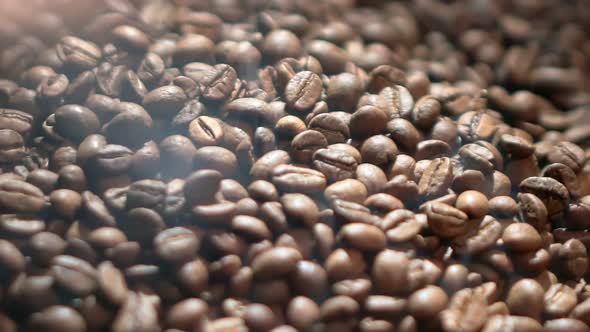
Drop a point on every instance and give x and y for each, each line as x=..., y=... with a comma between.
x=19, y=196
x=57, y=318
x=481, y=235
x=164, y=101
x=176, y=244
x=186, y=314
x=362, y=237
x=111, y=283
x=275, y=262
x=427, y=302
x=568, y=154
x=290, y=178
x=75, y=122
x=74, y=275
x=465, y=303
x=473, y=203
x=521, y=237
x=303, y=90
x=550, y=191
x=565, y=324
x=77, y=54
x=532, y=210
x=127, y=317
x=367, y=121
x=335, y=165
x=444, y=219
x=436, y=178
x=526, y=298
x=390, y=271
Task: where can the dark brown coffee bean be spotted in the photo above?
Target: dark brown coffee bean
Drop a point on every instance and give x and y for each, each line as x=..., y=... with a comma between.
x=19, y=121
x=77, y=54
x=445, y=220
x=12, y=148
x=250, y=228
x=476, y=125
x=20, y=196
x=74, y=275
x=400, y=225
x=427, y=302
x=176, y=244
x=565, y=324
x=57, y=318
x=565, y=175
x=132, y=120
x=302, y=312
x=436, y=178
x=12, y=260
x=303, y=90
x=218, y=158
x=338, y=307
x=275, y=262
x=348, y=190
x=75, y=122
x=43, y=179
x=559, y=301
x=526, y=298
x=378, y=150
x=111, y=283
x=473, y=203
x=568, y=154
x=290, y=178
x=143, y=224
x=193, y=276
x=573, y=258
x=335, y=129
x=177, y=155
x=554, y=194
x=367, y=121
x=532, y=210
x=521, y=237
x=335, y=165
x=481, y=235
x=201, y=186
x=390, y=271
x=465, y=303
x=362, y=237
x=218, y=83
x=128, y=316
x=164, y=101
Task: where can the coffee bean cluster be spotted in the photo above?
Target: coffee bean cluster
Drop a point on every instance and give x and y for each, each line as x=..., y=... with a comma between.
x=294, y=165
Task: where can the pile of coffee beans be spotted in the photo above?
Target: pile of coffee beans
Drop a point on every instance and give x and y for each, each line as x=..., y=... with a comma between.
x=294, y=165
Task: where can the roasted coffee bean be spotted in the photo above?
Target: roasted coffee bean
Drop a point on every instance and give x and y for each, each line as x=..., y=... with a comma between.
x=436, y=178
x=465, y=303
x=77, y=54
x=481, y=235
x=128, y=319
x=521, y=237
x=554, y=194
x=74, y=275
x=367, y=121
x=568, y=154
x=75, y=122
x=176, y=244
x=236, y=166
x=20, y=196
x=306, y=143
x=445, y=220
x=378, y=150
x=57, y=318
x=335, y=165
x=532, y=210
x=290, y=178
x=362, y=237
x=303, y=90
x=275, y=262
